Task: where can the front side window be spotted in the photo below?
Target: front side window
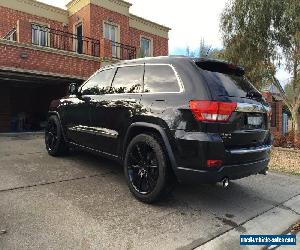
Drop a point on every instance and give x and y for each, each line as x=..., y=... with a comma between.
x=160, y=78
x=128, y=80
x=99, y=84
x=145, y=47
x=40, y=35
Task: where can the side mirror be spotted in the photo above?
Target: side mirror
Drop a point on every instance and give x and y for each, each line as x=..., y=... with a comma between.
x=73, y=90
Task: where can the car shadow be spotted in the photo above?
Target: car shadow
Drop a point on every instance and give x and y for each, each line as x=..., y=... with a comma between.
x=241, y=197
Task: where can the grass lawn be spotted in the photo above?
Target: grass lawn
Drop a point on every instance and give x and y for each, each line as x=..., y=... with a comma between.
x=285, y=160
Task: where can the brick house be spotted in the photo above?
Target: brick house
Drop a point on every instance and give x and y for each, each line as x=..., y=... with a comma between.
x=43, y=48
x=275, y=97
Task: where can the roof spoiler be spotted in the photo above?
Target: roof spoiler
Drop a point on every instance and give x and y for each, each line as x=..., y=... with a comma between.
x=219, y=66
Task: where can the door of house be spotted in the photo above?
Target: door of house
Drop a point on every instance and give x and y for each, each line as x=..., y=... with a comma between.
x=111, y=33
x=79, y=39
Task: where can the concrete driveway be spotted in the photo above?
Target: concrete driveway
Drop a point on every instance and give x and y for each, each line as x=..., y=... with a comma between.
x=82, y=202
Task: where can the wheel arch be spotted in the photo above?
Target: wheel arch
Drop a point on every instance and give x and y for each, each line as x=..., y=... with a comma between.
x=55, y=113
x=142, y=127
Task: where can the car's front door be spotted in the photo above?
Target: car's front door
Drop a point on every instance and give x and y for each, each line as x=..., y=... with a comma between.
x=75, y=116
x=80, y=129
x=111, y=113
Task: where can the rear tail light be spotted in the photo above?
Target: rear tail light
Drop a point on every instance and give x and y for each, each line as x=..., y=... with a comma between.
x=212, y=111
x=214, y=163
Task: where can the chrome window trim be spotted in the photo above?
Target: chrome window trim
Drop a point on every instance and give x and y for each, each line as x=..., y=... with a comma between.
x=179, y=80
x=251, y=108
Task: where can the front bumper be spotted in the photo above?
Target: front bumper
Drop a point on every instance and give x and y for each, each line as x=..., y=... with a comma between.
x=193, y=176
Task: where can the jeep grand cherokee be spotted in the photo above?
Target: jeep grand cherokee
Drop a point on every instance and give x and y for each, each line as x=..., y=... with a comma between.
x=165, y=119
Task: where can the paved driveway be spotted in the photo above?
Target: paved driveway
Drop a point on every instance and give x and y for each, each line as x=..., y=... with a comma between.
x=82, y=202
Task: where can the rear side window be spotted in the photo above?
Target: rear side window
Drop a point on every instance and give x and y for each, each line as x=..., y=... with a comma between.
x=128, y=80
x=160, y=78
x=99, y=84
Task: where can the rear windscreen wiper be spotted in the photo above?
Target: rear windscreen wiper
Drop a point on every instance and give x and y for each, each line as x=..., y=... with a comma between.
x=252, y=94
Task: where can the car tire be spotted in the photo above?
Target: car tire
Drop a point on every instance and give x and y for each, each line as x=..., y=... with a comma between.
x=54, y=140
x=146, y=168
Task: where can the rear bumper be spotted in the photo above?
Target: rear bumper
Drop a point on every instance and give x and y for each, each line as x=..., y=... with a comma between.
x=232, y=172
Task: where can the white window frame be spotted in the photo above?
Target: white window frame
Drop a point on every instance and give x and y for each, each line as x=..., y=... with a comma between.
x=38, y=39
x=150, y=45
x=75, y=41
x=115, y=49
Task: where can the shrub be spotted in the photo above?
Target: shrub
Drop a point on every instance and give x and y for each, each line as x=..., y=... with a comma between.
x=291, y=140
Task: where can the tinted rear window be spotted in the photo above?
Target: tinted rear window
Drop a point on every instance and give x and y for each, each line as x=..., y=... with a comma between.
x=225, y=79
x=228, y=85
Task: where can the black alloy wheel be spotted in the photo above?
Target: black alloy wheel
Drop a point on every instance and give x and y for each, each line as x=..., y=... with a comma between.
x=143, y=168
x=51, y=137
x=54, y=140
x=146, y=168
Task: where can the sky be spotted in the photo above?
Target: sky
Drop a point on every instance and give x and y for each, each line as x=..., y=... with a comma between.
x=190, y=22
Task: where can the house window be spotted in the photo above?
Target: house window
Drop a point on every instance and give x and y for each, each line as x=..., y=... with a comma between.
x=145, y=47
x=40, y=35
x=111, y=33
x=12, y=35
x=79, y=39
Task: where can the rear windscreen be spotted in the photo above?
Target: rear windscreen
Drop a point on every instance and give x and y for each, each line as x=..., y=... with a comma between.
x=228, y=85
x=226, y=79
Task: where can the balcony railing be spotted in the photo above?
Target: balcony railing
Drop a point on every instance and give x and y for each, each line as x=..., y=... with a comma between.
x=57, y=39
x=62, y=40
x=122, y=51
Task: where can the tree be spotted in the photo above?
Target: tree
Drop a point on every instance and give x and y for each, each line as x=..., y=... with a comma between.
x=287, y=34
x=258, y=34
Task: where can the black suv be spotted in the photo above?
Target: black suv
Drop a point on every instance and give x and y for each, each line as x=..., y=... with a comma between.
x=166, y=119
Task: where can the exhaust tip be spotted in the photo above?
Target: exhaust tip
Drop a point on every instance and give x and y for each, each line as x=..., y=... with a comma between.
x=265, y=171
x=225, y=182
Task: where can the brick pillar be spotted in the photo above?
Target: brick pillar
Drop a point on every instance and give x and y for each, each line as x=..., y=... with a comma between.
x=24, y=31
x=279, y=116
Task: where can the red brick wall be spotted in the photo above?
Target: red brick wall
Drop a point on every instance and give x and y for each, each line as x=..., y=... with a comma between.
x=160, y=44
x=83, y=16
x=92, y=17
x=277, y=130
x=129, y=36
x=46, y=61
x=10, y=17
x=99, y=14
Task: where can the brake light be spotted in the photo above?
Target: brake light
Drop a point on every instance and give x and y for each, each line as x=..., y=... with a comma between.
x=214, y=163
x=212, y=111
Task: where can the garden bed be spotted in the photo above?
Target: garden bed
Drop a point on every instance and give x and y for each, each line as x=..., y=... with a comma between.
x=285, y=160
